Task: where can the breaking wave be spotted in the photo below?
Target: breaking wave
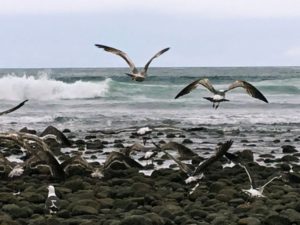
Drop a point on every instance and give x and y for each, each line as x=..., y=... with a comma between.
x=14, y=87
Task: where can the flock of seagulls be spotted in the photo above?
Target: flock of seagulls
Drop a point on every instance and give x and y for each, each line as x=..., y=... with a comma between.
x=219, y=95
x=52, y=203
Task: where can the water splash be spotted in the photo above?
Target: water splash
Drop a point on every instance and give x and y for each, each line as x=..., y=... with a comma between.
x=14, y=87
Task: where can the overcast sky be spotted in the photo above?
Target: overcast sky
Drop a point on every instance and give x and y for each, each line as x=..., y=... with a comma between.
x=62, y=33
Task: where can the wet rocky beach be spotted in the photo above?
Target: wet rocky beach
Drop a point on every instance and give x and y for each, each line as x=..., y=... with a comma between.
x=125, y=195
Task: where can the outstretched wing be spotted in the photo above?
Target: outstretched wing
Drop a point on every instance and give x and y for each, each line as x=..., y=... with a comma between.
x=251, y=90
x=119, y=53
x=155, y=56
x=13, y=109
x=205, y=82
x=220, y=151
x=251, y=180
x=182, y=166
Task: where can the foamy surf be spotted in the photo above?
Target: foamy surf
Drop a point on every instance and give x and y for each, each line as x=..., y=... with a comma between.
x=43, y=88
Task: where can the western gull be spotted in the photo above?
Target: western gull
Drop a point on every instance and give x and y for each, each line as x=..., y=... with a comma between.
x=219, y=95
x=135, y=74
x=52, y=203
x=144, y=132
x=196, y=174
x=41, y=155
x=256, y=191
x=14, y=108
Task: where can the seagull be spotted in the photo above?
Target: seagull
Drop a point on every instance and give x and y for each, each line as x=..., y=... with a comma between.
x=143, y=132
x=52, y=202
x=14, y=108
x=256, y=191
x=219, y=95
x=135, y=74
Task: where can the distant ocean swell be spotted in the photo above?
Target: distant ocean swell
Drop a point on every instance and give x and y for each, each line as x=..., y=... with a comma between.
x=43, y=87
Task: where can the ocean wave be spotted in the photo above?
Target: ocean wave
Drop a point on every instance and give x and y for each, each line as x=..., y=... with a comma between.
x=42, y=87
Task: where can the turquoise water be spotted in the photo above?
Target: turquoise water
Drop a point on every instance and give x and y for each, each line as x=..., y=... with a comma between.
x=86, y=99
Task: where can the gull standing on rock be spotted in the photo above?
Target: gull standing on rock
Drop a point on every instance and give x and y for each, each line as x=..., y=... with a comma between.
x=135, y=74
x=219, y=95
x=52, y=203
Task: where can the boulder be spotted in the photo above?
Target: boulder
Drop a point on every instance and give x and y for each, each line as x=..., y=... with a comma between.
x=64, y=141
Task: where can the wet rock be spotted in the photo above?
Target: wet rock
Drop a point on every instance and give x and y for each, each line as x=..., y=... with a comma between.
x=288, y=149
x=33, y=197
x=217, y=186
x=249, y=221
x=96, y=144
x=79, y=142
x=66, y=130
x=83, y=210
x=277, y=220
x=155, y=219
x=285, y=167
x=64, y=141
x=292, y=214
x=187, y=141
x=28, y=131
x=118, y=145
x=136, y=220
x=141, y=188
x=246, y=155
x=17, y=212
x=289, y=158
x=171, y=135
x=88, y=137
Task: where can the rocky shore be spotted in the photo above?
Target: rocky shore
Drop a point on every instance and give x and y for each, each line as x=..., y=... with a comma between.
x=126, y=196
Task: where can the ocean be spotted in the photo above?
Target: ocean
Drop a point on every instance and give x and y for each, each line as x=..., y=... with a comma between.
x=91, y=99
x=105, y=98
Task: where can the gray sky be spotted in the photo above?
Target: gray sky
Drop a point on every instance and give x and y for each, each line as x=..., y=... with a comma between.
x=62, y=33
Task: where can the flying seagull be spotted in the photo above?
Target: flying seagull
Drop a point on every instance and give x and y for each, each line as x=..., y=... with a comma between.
x=135, y=74
x=13, y=109
x=255, y=191
x=52, y=202
x=219, y=95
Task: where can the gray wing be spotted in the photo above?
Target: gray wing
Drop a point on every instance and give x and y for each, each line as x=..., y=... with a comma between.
x=119, y=53
x=155, y=56
x=273, y=178
x=220, y=151
x=13, y=109
x=251, y=180
x=182, y=166
x=204, y=82
x=251, y=90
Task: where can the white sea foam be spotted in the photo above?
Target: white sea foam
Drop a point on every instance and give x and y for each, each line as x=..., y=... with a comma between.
x=43, y=88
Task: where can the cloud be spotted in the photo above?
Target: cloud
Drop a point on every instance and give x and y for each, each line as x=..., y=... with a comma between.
x=201, y=8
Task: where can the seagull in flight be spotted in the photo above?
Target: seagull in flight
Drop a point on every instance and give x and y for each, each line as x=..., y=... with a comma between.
x=135, y=74
x=14, y=108
x=256, y=191
x=219, y=95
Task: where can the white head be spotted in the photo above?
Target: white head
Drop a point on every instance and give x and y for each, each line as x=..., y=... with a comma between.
x=51, y=191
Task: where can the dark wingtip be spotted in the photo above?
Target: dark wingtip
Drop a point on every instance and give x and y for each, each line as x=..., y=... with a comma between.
x=177, y=96
x=100, y=46
x=22, y=103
